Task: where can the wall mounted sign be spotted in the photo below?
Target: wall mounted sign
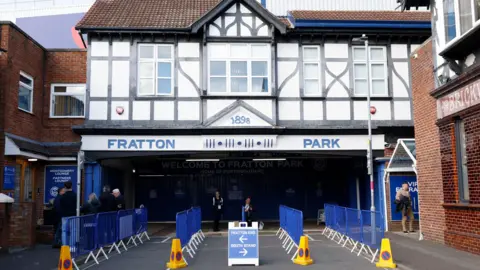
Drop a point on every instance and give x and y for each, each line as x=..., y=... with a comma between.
x=230, y=143
x=461, y=99
x=55, y=178
x=395, y=185
x=9, y=178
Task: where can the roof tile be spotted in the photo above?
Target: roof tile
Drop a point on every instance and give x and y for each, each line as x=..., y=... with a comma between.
x=361, y=15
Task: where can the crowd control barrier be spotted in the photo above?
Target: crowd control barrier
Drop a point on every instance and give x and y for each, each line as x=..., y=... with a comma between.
x=189, y=229
x=291, y=228
x=100, y=234
x=359, y=230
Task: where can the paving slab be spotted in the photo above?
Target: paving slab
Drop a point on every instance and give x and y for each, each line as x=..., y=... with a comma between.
x=41, y=257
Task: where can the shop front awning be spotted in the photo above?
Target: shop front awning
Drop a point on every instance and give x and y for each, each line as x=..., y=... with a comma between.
x=404, y=158
x=52, y=151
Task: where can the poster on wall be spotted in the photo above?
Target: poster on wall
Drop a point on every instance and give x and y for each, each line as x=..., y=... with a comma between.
x=56, y=177
x=395, y=185
x=8, y=178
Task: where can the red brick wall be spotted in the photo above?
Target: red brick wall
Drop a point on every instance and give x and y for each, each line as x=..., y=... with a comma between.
x=432, y=214
x=62, y=67
x=22, y=225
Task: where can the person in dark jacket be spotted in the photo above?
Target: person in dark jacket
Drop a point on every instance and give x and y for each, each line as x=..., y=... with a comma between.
x=57, y=223
x=92, y=206
x=217, y=210
x=107, y=200
x=248, y=211
x=119, y=200
x=68, y=202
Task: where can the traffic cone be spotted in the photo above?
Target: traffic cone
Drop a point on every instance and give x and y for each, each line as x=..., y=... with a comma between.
x=303, y=255
x=176, y=256
x=65, y=262
x=386, y=258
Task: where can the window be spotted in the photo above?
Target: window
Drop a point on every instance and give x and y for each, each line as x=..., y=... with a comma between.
x=155, y=70
x=449, y=19
x=311, y=70
x=465, y=12
x=461, y=153
x=476, y=6
x=239, y=69
x=67, y=100
x=377, y=68
x=25, y=92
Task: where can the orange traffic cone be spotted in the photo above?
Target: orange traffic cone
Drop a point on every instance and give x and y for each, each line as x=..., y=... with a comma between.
x=176, y=256
x=303, y=255
x=65, y=262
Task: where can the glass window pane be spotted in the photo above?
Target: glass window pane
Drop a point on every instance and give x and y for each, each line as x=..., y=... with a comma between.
x=238, y=68
x=146, y=52
x=260, y=51
x=239, y=51
x=311, y=87
x=24, y=98
x=359, y=54
x=146, y=70
x=164, y=86
x=378, y=87
x=477, y=9
x=60, y=89
x=25, y=80
x=68, y=106
x=360, y=71
x=310, y=53
x=164, y=70
x=465, y=8
x=260, y=85
x=361, y=87
x=218, y=68
x=449, y=19
x=218, y=85
x=146, y=87
x=311, y=71
x=164, y=52
x=259, y=68
x=377, y=54
x=239, y=85
x=378, y=71
x=76, y=90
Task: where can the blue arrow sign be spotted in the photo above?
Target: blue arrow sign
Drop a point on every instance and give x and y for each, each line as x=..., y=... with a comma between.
x=243, y=243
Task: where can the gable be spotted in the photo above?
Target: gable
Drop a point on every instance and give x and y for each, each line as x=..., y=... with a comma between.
x=238, y=21
x=240, y=117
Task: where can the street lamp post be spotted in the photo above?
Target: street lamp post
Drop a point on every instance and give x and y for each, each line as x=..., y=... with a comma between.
x=364, y=39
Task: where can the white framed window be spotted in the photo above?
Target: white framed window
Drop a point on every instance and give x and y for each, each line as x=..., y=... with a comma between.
x=461, y=155
x=67, y=101
x=25, y=92
x=238, y=69
x=377, y=67
x=155, y=70
x=311, y=70
x=460, y=16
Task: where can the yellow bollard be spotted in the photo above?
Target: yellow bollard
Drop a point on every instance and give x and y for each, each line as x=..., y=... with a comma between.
x=303, y=255
x=176, y=256
x=65, y=262
x=386, y=258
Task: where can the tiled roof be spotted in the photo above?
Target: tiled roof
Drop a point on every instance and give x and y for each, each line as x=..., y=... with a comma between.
x=145, y=14
x=361, y=15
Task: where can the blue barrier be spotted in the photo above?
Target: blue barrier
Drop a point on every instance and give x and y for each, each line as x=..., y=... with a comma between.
x=189, y=229
x=353, y=224
x=291, y=221
x=243, y=214
x=86, y=234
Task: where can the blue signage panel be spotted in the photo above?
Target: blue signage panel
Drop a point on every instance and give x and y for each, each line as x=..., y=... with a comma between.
x=55, y=178
x=243, y=243
x=395, y=185
x=9, y=177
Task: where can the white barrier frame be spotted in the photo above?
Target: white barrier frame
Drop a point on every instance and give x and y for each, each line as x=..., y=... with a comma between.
x=352, y=244
x=288, y=242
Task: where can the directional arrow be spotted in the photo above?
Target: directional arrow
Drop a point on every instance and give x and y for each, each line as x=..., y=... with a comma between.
x=242, y=239
x=244, y=252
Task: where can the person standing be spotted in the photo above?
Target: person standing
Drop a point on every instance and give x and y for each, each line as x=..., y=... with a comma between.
x=92, y=206
x=217, y=210
x=404, y=204
x=107, y=200
x=119, y=200
x=57, y=223
x=68, y=201
x=248, y=211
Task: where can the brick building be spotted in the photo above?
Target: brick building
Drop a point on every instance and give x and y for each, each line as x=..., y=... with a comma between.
x=446, y=98
x=41, y=96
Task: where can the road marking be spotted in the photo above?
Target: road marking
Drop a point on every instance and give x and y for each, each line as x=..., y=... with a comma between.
x=309, y=237
x=166, y=239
